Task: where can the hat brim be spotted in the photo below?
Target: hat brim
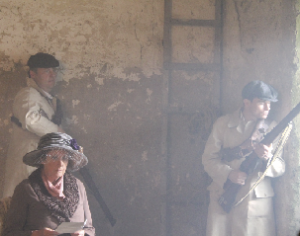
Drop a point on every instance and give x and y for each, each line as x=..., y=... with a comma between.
x=76, y=159
x=270, y=99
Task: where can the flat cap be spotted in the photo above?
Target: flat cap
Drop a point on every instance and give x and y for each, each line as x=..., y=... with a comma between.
x=261, y=90
x=42, y=60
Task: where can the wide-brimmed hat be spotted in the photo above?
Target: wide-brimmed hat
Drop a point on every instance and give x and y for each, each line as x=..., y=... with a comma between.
x=52, y=144
x=261, y=90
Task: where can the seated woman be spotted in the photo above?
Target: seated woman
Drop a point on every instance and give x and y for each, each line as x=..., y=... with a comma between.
x=50, y=195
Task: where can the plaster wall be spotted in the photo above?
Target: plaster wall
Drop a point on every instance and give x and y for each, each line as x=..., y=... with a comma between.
x=259, y=43
x=113, y=90
x=114, y=95
x=254, y=38
x=110, y=85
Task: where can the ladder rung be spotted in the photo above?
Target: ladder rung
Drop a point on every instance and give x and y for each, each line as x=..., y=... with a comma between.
x=194, y=22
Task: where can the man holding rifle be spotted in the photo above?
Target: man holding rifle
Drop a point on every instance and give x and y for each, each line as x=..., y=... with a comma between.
x=240, y=133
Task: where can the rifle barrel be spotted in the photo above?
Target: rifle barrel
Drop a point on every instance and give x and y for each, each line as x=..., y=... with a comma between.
x=228, y=198
x=91, y=184
x=270, y=137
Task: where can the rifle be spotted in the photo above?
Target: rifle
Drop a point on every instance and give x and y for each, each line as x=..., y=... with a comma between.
x=91, y=184
x=251, y=162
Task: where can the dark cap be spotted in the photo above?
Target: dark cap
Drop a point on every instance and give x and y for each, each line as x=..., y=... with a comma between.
x=261, y=90
x=42, y=60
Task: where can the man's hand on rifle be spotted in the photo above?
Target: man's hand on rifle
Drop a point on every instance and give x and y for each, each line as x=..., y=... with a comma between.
x=263, y=151
x=237, y=177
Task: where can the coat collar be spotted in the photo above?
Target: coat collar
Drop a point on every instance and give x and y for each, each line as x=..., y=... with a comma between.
x=237, y=120
x=61, y=210
x=31, y=83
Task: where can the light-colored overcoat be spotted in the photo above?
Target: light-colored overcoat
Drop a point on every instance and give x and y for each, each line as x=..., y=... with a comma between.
x=254, y=215
x=34, y=111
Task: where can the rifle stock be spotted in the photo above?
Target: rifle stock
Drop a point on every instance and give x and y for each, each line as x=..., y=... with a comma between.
x=228, y=198
x=91, y=184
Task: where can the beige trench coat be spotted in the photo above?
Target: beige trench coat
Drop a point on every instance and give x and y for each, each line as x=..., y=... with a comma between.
x=254, y=215
x=27, y=107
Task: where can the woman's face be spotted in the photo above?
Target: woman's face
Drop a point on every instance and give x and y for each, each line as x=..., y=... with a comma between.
x=55, y=164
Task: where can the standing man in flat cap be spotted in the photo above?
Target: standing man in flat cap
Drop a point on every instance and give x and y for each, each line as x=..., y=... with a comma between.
x=35, y=113
x=253, y=214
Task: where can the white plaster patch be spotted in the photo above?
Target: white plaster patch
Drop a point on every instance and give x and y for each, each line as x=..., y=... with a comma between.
x=156, y=180
x=187, y=176
x=204, y=76
x=119, y=73
x=6, y=122
x=178, y=180
x=133, y=77
x=99, y=81
x=74, y=120
x=84, y=130
x=7, y=65
x=144, y=156
x=87, y=117
x=75, y=103
x=114, y=106
x=149, y=93
x=131, y=200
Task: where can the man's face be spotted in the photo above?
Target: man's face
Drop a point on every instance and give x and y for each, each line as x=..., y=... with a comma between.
x=257, y=108
x=44, y=77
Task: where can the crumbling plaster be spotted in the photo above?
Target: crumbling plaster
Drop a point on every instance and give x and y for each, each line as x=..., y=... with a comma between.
x=253, y=45
x=259, y=43
x=291, y=191
x=113, y=35
x=110, y=85
x=113, y=90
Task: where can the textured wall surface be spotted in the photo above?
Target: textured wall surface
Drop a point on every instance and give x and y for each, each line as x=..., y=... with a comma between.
x=255, y=41
x=113, y=90
x=289, y=203
x=259, y=43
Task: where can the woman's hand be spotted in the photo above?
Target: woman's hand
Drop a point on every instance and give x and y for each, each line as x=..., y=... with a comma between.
x=78, y=233
x=44, y=232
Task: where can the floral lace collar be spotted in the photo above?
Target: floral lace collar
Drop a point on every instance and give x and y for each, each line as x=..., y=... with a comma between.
x=62, y=210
